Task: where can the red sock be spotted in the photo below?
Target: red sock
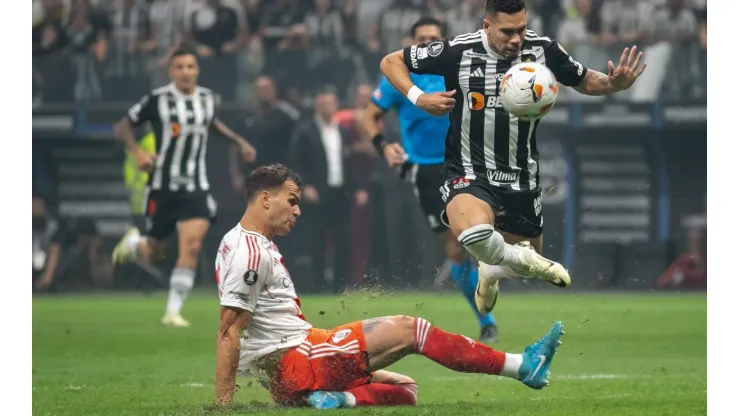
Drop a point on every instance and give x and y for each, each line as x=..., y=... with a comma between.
x=460, y=353
x=379, y=394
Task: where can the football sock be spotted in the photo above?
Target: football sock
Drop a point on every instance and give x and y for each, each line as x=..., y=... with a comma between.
x=492, y=273
x=469, y=284
x=460, y=353
x=379, y=394
x=465, y=277
x=488, y=246
x=181, y=283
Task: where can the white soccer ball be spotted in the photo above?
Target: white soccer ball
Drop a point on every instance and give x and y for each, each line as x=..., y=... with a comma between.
x=529, y=90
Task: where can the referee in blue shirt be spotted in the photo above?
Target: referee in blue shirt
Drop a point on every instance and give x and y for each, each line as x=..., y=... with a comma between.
x=420, y=156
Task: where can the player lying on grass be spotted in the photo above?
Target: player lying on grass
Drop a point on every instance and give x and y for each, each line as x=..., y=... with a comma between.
x=264, y=333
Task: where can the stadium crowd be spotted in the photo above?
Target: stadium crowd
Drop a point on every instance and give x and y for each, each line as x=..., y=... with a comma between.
x=275, y=57
x=114, y=49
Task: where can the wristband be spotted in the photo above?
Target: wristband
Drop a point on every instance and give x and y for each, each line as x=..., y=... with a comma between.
x=379, y=143
x=414, y=94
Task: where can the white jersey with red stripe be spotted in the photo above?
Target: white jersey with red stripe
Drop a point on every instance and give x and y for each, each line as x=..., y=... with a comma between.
x=251, y=275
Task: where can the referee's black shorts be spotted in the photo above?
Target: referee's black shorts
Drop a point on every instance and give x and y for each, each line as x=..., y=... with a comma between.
x=515, y=212
x=425, y=179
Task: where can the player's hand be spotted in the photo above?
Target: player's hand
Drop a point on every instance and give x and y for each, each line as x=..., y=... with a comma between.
x=311, y=195
x=144, y=160
x=249, y=153
x=623, y=76
x=394, y=154
x=437, y=103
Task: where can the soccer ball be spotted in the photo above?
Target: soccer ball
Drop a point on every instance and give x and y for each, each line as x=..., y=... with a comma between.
x=529, y=90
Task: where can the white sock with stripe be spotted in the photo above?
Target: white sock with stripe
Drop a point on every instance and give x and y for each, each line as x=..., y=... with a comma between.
x=488, y=246
x=181, y=283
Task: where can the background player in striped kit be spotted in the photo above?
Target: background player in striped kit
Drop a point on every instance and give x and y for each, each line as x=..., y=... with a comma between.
x=181, y=116
x=491, y=180
x=420, y=156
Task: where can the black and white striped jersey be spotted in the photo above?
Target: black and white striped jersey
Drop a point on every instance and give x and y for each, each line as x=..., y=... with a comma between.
x=181, y=123
x=483, y=140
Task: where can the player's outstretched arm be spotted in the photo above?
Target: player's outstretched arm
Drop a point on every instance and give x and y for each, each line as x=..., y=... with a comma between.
x=618, y=79
x=233, y=320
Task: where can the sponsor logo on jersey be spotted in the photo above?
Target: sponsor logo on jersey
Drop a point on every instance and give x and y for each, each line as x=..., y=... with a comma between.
x=478, y=101
x=422, y=53
x=250, y=277
x=472, y=54
x=244, y=297
x=435, y=48
x=460, y=183
x=412, y=54
x=502, y=177
x=340, y=335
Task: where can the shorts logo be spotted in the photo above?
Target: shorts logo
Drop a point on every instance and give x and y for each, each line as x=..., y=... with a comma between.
x=460, y=183
x=435, y=48
x=538, y=205
x=250, y=277
x=340, y=335
x=502, y=177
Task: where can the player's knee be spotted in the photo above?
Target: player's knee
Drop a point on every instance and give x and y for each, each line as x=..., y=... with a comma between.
x=405, y=325
x=465, y=211
x=193, y=247
x=157, y=250
x=454, y=250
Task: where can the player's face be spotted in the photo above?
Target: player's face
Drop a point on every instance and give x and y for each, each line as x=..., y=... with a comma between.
x=506, y=32
x=284, y=209
x=427, y=33
x=184, y=72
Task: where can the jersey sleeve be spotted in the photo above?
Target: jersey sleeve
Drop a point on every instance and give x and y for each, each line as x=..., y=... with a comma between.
x=437, y=57
x=144, y=110
x=567, y=70
x=246, y=276
x=386, y=96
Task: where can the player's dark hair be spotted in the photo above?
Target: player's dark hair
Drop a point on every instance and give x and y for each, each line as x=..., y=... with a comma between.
x=426, y=21
x=504, y=6
x=269, y=177
x=184, y=50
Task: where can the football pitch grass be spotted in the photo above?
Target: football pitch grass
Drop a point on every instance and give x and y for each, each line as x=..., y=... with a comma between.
x=623, y=354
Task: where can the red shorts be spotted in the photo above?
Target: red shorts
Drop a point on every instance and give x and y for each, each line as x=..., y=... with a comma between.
x=333, y=360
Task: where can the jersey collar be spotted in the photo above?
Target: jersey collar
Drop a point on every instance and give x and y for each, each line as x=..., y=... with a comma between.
x=488, y=47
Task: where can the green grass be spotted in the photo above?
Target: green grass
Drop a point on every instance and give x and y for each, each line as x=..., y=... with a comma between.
x=621, y=355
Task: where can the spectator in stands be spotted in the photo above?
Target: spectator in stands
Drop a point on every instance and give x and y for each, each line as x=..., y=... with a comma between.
x=580, y=27
x=132, y=41
x=268, y=128
x=292, y=52
x=217, y=33
x=329, y=59
x=51, y=68
x=460, y=16
x=278, y=22
x=673, y=29
x=624, y=23
x=321, y=153
x=88, y=32
x=167, y=22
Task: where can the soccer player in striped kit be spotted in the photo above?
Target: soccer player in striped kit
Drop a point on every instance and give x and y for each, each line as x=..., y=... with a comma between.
x=490, y=178
x=181, y=115
x=420, y=156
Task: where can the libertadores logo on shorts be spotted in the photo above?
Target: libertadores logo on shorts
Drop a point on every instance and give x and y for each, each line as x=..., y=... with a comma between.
x=340, y=335
x=460, y=183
